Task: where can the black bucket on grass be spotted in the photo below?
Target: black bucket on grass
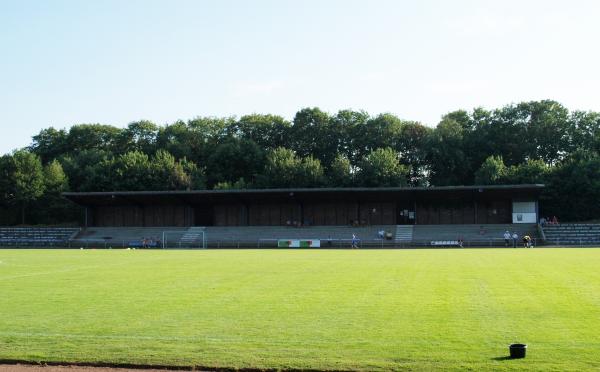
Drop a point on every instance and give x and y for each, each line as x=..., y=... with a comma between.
x=517, y=350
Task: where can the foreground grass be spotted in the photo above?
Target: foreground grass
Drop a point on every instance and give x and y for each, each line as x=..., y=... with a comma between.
x=319, y=309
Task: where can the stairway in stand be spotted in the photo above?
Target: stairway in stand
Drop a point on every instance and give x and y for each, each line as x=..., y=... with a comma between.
x=194, y=235
x=404, y=233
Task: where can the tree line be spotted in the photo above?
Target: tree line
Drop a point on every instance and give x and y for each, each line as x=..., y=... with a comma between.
x=528, y=142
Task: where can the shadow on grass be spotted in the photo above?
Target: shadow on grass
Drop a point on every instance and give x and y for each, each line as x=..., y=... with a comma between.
x=501, y=358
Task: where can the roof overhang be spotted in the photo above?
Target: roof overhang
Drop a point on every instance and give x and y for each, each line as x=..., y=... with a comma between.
x=196, y=197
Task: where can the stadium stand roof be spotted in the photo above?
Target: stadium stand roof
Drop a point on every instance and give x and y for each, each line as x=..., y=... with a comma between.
x=196, y=196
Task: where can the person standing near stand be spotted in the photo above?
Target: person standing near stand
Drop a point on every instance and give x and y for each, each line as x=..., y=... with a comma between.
x=507, y=238
x=354, y=241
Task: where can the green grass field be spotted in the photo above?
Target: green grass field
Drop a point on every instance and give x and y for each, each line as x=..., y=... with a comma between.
x=312, y=309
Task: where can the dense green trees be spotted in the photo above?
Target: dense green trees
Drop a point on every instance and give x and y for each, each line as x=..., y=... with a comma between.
x=341, y=172
x=446, y=154
x=381, y=168
x=27, y=179
x=285, y=168
x=528, y=142
x=25, y=182
x=51, y=204
x=573, y=188
x=492, y=171
x=234, y=159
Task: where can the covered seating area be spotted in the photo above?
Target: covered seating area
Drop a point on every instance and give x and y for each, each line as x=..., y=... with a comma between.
x=355, y=207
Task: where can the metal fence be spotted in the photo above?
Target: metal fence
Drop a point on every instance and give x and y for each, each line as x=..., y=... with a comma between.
x=261, y=244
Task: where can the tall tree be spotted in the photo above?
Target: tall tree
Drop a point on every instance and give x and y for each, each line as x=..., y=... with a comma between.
x=280, y=168
x=446, y=156
x=196, y=139
x=7, y=191
x=206, y=134
x=86, y=169
x=235, y=159
x=412, y=149
x=547, y=130
x=132, y=171
x=168, y=174
x=340, y=173
x=49, y=144
x=178, y=140
x=309, y=173
x=348, y=124
x=573, y=188
x=584, y=131
x=51, y=204
x=267, y=131
x=381, y=168
x=285, y=169
x=138, y=136
x=313, y=133
x=197, y=174
x=506, y=134
x=93, y=136
x=55, y=179
x=28, y=179
x=530, y=172
x=381, y=131
x=492, y=172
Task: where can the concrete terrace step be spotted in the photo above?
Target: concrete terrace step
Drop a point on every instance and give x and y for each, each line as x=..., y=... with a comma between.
x=339, y=235
x=258, y=233
x=122, y=235
x=404, y=233
x=571, y=229
x=572, y=233
x=36, y=234
x=471, y=232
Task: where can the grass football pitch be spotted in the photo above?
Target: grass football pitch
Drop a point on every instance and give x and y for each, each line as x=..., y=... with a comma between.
x=304, y=309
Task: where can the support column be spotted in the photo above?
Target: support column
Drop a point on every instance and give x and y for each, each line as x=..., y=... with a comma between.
x=415, y=222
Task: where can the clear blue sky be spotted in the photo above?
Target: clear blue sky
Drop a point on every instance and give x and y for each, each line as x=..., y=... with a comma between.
x=113, y=62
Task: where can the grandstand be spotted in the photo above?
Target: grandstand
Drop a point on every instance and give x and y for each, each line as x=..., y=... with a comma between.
x=472, y=235
x=222, y=236
x=124, y=237
x=572, y=234
x=268, y=236
x=454, y=205
x=329, y=236
x=36, y=236
x=379, y=217
x=261, y=236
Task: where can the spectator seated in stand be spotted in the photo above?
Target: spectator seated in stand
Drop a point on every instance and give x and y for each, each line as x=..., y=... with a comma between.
x=144, y=243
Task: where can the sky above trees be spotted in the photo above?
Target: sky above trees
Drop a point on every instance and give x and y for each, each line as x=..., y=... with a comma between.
x=115, y=62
